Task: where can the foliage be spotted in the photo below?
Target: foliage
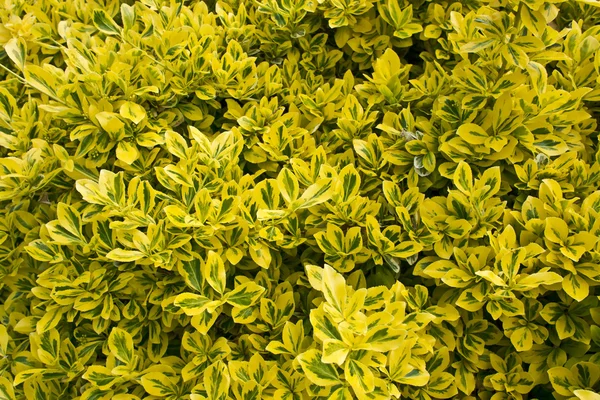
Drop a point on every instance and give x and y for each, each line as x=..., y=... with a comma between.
x=298, y=199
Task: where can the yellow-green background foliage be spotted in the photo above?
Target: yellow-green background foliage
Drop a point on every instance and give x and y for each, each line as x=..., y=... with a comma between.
x=299, y=199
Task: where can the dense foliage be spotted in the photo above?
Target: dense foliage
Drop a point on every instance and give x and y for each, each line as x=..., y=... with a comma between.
x=299, y=199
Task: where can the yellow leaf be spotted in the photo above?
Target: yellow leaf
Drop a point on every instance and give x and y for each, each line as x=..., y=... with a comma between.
x=261, y=255
x=522, y=339
x=473, y=134
x=41, y=80
x=562, y=380
x=111, y=123
x=348, y=184
x=334, y=288
x=206, y=320
x=463, y=178
x=381, y=339
x=557, y=230
x=315, y=194
x=244, y=295
x=176, y=144
x=69, y=219
x=539, y=278
x=100, y=376
x=583, y=394
x=359, y=376
x=120, y=344
x=127, y=152
x=335, y=351
x=288, y=185
x=491, y=277
x=6, y=389
x=122, y=255
x=315, y=276
x=16, y=49
x=576, y=286
x=216, y=381
x=132, y=111
x=50, y=319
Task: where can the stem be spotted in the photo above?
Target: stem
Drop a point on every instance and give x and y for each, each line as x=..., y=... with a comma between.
x=22, y=80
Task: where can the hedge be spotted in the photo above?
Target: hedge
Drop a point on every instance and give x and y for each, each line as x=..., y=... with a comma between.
x=299, y=199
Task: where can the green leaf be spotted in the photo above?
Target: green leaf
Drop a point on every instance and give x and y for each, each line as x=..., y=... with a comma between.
x=195, y=304
x=477, y=45
x=316, y=371
x=441, y=386
x=50, y=319
x=128, y=16
x=100, y=376
x=359, y=376
x=44, y=251
x=158, y=384
x=191, y=271
x=68, y=228
x=381, y=339
x=105, y=23
x=315, y=194
x=41, y=79
x=348, y=184
x=245, y=295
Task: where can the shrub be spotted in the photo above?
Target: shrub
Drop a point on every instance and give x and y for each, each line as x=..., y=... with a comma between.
x=298, y=199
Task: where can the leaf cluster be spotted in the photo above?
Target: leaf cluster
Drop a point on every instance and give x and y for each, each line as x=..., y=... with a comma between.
x=299, y=199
